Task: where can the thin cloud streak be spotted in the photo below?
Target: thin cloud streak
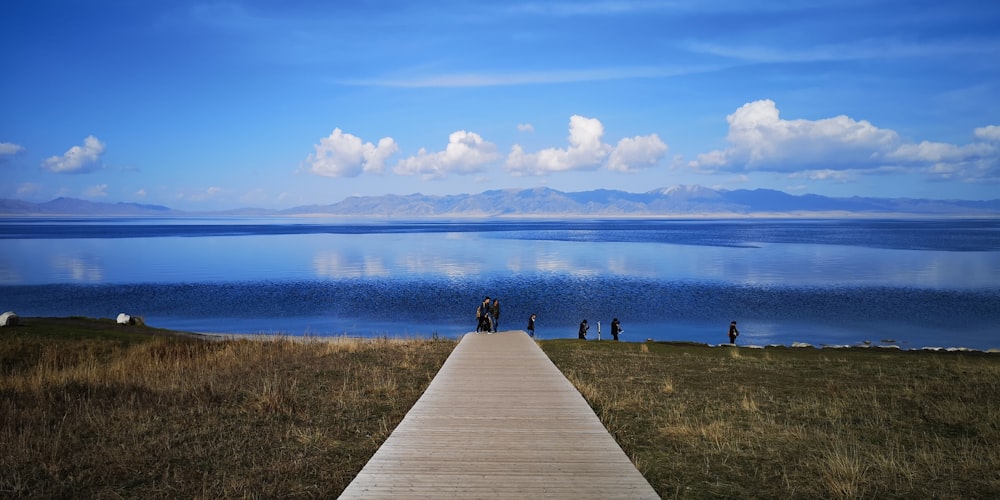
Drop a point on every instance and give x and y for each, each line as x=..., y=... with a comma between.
x=862, y=50
x=457, y=80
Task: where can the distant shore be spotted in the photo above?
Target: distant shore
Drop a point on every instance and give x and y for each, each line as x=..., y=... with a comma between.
x=90, y=323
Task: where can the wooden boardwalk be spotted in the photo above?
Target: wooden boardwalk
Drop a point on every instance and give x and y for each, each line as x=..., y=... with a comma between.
x=500, y=421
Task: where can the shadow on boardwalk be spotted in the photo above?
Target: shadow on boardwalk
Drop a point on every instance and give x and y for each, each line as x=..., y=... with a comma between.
x=500, y=421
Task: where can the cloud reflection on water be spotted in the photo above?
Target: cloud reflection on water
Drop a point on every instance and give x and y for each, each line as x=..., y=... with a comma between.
x=662, y=285
x=77, y=269
x=333, y=264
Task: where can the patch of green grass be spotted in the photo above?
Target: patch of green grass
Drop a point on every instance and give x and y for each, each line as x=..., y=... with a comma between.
x=781, y=422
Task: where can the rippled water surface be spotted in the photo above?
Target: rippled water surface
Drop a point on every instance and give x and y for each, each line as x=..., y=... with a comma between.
x=917, y=283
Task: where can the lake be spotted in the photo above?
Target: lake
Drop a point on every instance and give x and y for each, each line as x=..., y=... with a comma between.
x=912, y=283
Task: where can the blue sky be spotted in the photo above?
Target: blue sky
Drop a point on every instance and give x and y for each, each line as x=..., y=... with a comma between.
x=212, y=105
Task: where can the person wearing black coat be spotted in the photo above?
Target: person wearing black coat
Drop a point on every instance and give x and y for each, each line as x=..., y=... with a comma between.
x=616, y=328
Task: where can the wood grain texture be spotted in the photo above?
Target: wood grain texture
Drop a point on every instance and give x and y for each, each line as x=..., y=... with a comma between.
x=500, y=421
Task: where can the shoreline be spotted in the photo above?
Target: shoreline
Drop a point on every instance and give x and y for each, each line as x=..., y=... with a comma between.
x=146, y=328
x=794, y=345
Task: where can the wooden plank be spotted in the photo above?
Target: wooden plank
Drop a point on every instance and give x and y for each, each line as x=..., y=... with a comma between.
x=499, y=421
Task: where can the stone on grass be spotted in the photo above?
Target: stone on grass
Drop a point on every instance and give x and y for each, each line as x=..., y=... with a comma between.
x=8, y=318
x=125, y=319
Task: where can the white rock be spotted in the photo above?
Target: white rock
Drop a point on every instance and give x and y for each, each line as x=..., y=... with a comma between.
x=124, y=319
x=8, y=318
x=801, y=344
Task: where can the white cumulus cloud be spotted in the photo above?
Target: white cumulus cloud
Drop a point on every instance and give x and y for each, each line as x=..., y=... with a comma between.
x=586, y=151
x=79, y=159
x=760, y=140
x=346, y=155
x=525, y=127
x=988, y=133
x=466, y=153
x=634, y=153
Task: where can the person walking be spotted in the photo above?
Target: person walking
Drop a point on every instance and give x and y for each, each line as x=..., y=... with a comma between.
x=583, y=330
x=733, y=333
x=616, y=328
x=495, y=313
x=482, y=316
x=531, y=325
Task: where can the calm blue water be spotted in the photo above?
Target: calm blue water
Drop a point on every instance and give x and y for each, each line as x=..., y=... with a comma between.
x=919, y=283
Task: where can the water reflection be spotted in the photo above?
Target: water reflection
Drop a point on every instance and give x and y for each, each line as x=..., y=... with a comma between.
x=780, y=285
x=463, y=255
x=77, y=269
x=332, y=264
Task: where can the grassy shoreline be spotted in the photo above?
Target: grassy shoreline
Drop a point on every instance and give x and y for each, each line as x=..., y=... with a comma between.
x=94, y=409
x=785, y=422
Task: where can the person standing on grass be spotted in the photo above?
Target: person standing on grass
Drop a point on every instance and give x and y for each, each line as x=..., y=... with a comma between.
x=616, y=328
x=531, y=325
x=495, y=313
x=583, y=330
x=733, y=333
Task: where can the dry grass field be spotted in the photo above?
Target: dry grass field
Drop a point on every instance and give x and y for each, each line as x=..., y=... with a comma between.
x=796, y=423
x=93, y=410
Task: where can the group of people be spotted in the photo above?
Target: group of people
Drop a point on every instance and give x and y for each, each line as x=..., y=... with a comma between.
x=488, y=316
x=616, y=329
x=488, y=320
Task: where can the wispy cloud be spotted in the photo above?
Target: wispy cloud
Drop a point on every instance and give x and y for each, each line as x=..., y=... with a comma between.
x=499, y=79
x=29, y=188
x=98, y=191
x=8, y=149
x=859, y=50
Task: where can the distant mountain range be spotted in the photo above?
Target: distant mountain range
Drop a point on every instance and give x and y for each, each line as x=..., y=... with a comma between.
x=73, y=206
x=672, y=201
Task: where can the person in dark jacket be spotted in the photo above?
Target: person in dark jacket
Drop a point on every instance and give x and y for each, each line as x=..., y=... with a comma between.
x=616, y=328
x=495, y=314
x=531, y=325
x=583, y=330
x=733, y=333
x=483, y=316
